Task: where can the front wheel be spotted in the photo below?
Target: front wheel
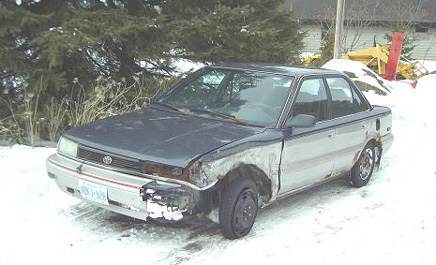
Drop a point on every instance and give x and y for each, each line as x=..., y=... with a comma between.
x=238, y=210
x=362, y=170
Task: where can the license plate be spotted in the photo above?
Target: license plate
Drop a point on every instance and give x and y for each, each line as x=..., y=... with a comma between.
x=93, y=192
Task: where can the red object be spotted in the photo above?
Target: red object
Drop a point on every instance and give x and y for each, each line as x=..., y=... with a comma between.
x=92, y=176
x=394, y=56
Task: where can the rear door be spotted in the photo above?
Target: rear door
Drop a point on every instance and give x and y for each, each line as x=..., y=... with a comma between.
x=347, y=112
x=308, y=154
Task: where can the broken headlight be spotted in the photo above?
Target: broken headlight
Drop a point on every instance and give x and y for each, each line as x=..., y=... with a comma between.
x=197, y=174
x=161, y=170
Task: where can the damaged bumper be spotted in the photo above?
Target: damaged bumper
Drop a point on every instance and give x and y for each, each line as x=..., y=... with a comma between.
x=136, y=196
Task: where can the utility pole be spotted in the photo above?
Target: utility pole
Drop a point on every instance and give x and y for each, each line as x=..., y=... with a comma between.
x=339, y=27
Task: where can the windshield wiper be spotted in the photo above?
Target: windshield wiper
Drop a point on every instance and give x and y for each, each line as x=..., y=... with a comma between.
x=171, y=107
x=218, y=114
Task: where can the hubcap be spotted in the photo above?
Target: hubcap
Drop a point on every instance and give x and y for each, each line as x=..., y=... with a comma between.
x=366, y=163
x=245, y=212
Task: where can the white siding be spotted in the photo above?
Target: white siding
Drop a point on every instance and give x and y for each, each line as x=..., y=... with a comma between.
x=363, y=38
x=426, y=46
x=312, y=41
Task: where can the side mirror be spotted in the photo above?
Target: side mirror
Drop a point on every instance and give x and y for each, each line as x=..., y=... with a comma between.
x=301, y=121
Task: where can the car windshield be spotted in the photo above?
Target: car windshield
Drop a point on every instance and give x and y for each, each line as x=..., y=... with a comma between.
x=253, y=97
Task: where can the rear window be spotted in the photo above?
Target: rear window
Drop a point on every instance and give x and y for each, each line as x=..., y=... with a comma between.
x=345, y=100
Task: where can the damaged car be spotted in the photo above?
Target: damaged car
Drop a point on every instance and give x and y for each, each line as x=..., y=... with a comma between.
x=229, y=138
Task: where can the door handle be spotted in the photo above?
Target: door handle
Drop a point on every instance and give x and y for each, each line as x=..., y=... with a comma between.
x=331, y=134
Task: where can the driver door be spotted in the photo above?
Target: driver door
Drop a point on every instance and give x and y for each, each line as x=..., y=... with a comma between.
x=308, y=153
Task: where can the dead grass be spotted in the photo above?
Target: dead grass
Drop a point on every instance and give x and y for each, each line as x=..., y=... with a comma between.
x=350, y=74
x=29, y=125
x=378, y=78
x=367, y=87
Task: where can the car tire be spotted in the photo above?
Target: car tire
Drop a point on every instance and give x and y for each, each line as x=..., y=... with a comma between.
x=362, y=170
x=238, y=209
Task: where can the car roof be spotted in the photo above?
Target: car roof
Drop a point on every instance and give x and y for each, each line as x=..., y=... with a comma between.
x=275, y=68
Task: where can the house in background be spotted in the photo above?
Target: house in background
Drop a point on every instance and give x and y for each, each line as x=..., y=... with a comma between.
x=368, y=21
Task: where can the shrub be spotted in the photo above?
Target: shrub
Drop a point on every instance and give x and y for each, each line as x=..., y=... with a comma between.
x=25, y=125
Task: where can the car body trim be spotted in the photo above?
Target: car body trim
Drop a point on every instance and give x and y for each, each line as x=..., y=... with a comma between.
x=136, y=174
x=336, y=123
x=93, y=176
x=297, y=166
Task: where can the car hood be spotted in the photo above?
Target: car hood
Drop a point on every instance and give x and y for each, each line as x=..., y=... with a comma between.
x=159, y=135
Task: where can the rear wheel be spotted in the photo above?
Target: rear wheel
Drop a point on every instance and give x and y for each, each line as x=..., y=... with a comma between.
x=362, y=170
x=239, y=205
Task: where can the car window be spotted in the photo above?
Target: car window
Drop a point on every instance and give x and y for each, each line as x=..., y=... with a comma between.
x=254, y=97
x=312, y=99
x=345, y=101
x=200, y=91
x=251, y=88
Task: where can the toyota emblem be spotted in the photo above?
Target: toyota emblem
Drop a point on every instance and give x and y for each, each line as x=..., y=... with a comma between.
x=107, y=160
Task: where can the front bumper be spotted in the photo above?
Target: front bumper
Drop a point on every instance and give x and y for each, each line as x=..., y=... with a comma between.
x=130, y=195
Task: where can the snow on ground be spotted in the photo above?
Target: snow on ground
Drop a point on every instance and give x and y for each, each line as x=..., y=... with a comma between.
x=430, y=66
x=392, y=220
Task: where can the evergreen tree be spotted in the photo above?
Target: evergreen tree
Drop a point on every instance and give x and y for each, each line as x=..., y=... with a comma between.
x=409, y=43
x=240, y=31
x=50, y=45
x=327, y=49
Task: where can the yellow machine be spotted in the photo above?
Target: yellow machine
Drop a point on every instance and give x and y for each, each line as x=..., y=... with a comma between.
x=310, y=60
x=377, y=58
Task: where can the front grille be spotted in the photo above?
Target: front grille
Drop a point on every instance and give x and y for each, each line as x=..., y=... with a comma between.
x=96, y=156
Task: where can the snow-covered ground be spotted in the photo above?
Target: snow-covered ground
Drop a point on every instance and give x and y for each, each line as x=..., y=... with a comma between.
x=360, y=73
x=430, y=66
x=392, y=220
